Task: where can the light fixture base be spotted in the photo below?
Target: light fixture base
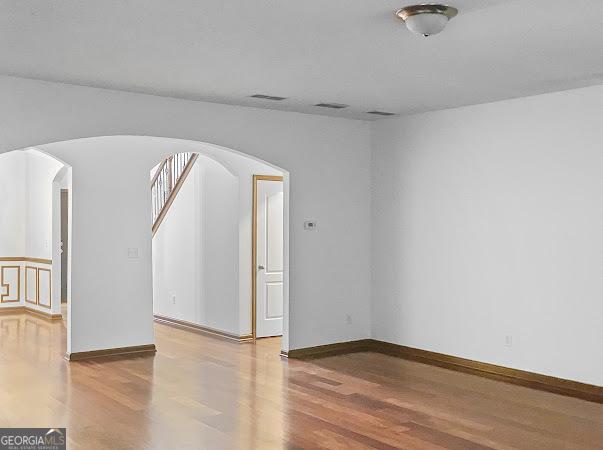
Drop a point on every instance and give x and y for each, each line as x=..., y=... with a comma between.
x=408, y=11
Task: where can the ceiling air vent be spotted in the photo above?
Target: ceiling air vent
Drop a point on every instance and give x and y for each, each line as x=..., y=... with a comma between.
x=331, y=105
x=381, y=113
x=268, y=97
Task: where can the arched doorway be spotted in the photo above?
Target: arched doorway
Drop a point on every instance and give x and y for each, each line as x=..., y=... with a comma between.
x=112, y=238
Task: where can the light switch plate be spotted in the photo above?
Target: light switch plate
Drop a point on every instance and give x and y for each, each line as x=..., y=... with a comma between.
x=133, y=253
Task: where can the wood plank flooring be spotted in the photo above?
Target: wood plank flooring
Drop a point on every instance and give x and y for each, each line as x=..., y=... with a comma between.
x=200, y=392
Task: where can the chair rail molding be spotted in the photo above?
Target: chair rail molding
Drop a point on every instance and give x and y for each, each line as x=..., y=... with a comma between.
x=26, y=281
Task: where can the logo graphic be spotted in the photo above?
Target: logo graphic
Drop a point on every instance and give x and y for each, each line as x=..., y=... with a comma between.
x=33, y=438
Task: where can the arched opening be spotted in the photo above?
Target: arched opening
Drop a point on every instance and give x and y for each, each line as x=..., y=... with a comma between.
x=34, y=242
x=209, y=274
x=112, y=273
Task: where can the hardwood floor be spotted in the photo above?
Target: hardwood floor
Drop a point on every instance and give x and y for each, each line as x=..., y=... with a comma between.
x=200, y=392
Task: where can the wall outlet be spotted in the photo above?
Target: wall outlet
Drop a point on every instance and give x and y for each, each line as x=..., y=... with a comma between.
x=133, y=253
x=173, y=299
x=348, y=319
x=508, y=341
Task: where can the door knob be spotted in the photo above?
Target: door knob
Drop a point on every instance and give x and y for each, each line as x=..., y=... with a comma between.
x=260, y=267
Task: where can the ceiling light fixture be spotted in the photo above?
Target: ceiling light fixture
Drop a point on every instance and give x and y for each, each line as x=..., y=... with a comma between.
x=426, y=19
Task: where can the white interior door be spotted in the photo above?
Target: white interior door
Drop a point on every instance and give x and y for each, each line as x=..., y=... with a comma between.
x=269, y=259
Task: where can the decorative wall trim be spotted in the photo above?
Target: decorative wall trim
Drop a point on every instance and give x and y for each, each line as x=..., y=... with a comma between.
x=532, y=380
x=28, y=298
x=183, y=324
x=7, y=286
x=49, y=305
x=27, y=309
x=44, y=314
x=33, y=301
x=137, y=350
x=13, y=309
x=36, y=301
x=26, y=259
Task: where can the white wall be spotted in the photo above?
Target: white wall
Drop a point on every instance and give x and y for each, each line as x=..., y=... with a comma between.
x=219, y=248
x=329, y=163
x=323, y=289
x=175, y=249
x=487, y=223
x=41, y=170
x=13, y=201
x=486, y=219
x=26, y=197
x=245, y=168
x=110, y=289
x=195, y=251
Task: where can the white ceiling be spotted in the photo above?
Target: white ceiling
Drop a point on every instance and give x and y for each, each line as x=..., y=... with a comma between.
x=345, y=51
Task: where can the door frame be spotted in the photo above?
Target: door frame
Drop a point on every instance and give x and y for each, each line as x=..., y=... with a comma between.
x=254, y=244
x=65, y=245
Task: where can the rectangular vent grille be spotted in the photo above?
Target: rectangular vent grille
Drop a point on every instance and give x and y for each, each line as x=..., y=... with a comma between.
x=381, y=113
x=268, y=97
x=331, y=105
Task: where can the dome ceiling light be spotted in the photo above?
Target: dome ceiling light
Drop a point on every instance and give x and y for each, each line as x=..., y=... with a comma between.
x=426, y=19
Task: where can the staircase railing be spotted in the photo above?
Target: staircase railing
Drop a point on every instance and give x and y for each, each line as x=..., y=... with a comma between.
x=166, y=183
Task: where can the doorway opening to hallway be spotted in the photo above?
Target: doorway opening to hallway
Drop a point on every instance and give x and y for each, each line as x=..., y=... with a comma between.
x=34, y=256
x=218, y=245
x=267, y=256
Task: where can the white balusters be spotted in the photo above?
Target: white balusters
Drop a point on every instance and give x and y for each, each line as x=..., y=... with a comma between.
x=165, y=180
